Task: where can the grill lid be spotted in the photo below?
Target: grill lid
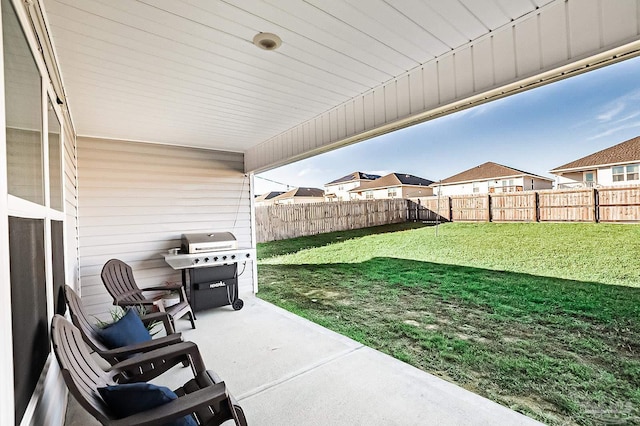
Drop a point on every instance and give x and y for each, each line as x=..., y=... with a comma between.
x=206, y=242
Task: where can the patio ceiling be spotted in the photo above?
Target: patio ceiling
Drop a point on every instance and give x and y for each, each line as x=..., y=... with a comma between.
x=186, y=72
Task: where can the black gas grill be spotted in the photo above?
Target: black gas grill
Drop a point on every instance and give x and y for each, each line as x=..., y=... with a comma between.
x=212, y=286
x=209, y=264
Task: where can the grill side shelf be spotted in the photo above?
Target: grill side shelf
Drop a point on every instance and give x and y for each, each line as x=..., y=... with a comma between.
x=214, y=258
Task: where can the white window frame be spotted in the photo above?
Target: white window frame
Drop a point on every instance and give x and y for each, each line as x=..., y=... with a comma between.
x=11, y=205
x=620, y=174
x=629, y=173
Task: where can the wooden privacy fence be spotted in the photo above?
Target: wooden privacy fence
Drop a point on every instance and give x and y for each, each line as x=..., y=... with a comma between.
x=613, y=204
x=279, y=222
x=622, y=204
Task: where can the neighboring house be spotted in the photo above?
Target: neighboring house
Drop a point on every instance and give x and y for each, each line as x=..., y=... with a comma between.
x=266, y=199
x=393, y=185
x=614, y=166
x=300, y=196
x=491, y=178
x=338, y=190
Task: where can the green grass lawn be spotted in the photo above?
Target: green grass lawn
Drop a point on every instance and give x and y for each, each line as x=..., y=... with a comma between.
x=542, y=318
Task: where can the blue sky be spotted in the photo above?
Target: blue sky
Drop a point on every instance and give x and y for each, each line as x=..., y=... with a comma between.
x=534, y=131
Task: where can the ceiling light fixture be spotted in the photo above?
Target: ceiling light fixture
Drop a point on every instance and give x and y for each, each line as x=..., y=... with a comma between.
x=267, y=41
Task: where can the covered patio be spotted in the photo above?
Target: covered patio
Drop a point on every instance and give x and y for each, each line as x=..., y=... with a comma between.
x=285, y=370
x=130, y=122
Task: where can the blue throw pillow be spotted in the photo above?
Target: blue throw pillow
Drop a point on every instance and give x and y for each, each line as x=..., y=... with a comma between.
x=131, y=398
x=128, y=330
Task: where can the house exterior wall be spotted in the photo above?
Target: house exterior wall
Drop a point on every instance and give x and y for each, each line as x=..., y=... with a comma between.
x=416, y=191
x=466, y=187
x=71, y=207
x=603, y=177
x=521, y=183
x=300, y=200
x=568, y=180
x=341, y=190
x=137, y=199
x=376, y=194
x=264, y=203
x=401, y=191
x=538, y=184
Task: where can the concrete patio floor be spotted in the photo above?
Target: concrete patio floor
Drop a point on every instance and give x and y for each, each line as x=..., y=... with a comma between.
x=285, y=370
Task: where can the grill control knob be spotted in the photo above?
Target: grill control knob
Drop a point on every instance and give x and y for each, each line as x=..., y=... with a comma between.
x=206, y=259
x=224, y=257
x=215, y=259
x=196, y=260
x=233, y=256
x=248, y=255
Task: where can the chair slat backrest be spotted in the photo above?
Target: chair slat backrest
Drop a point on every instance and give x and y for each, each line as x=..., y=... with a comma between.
x=81, y=374
x=81, y=321
x=117, y=277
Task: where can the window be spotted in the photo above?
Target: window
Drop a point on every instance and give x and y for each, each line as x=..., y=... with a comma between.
x=626, y=173
x=476, y=187
x=57, y=252
x=35, y=221
x=508, y=185
x=589, y=179
x=392, y=192
x=368, y=195
x=618, y=173
x=28, y=307
x=23, y=100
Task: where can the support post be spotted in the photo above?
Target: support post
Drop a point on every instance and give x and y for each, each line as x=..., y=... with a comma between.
x=596, y=206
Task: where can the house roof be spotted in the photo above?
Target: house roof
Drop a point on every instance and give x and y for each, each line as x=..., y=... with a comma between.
x=301, y=192
x=268, y=195
x=355, y=176
x=393, y=179
x=621, y=153
x=486, y=171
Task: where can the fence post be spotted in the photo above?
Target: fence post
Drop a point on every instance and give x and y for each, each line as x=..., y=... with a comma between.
x=536, y=205
x=450, y=209
x=596, y=206
x=488, y=207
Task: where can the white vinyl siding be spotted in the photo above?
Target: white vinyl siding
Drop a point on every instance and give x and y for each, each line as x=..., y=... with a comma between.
x=70, y=182
x=498, y=185
x=618, y=175
x=137, y=199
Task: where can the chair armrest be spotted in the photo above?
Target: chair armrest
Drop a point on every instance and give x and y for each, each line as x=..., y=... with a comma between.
x=185, y=349
x=134, y=302
x=163, y=287
x=147, y=346
x=180, y=407
x=159, y=316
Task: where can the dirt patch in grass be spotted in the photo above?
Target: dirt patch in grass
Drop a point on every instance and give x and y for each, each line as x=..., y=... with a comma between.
x=549, y=361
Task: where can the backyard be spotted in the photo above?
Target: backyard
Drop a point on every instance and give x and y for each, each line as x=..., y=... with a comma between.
x=542, y=318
